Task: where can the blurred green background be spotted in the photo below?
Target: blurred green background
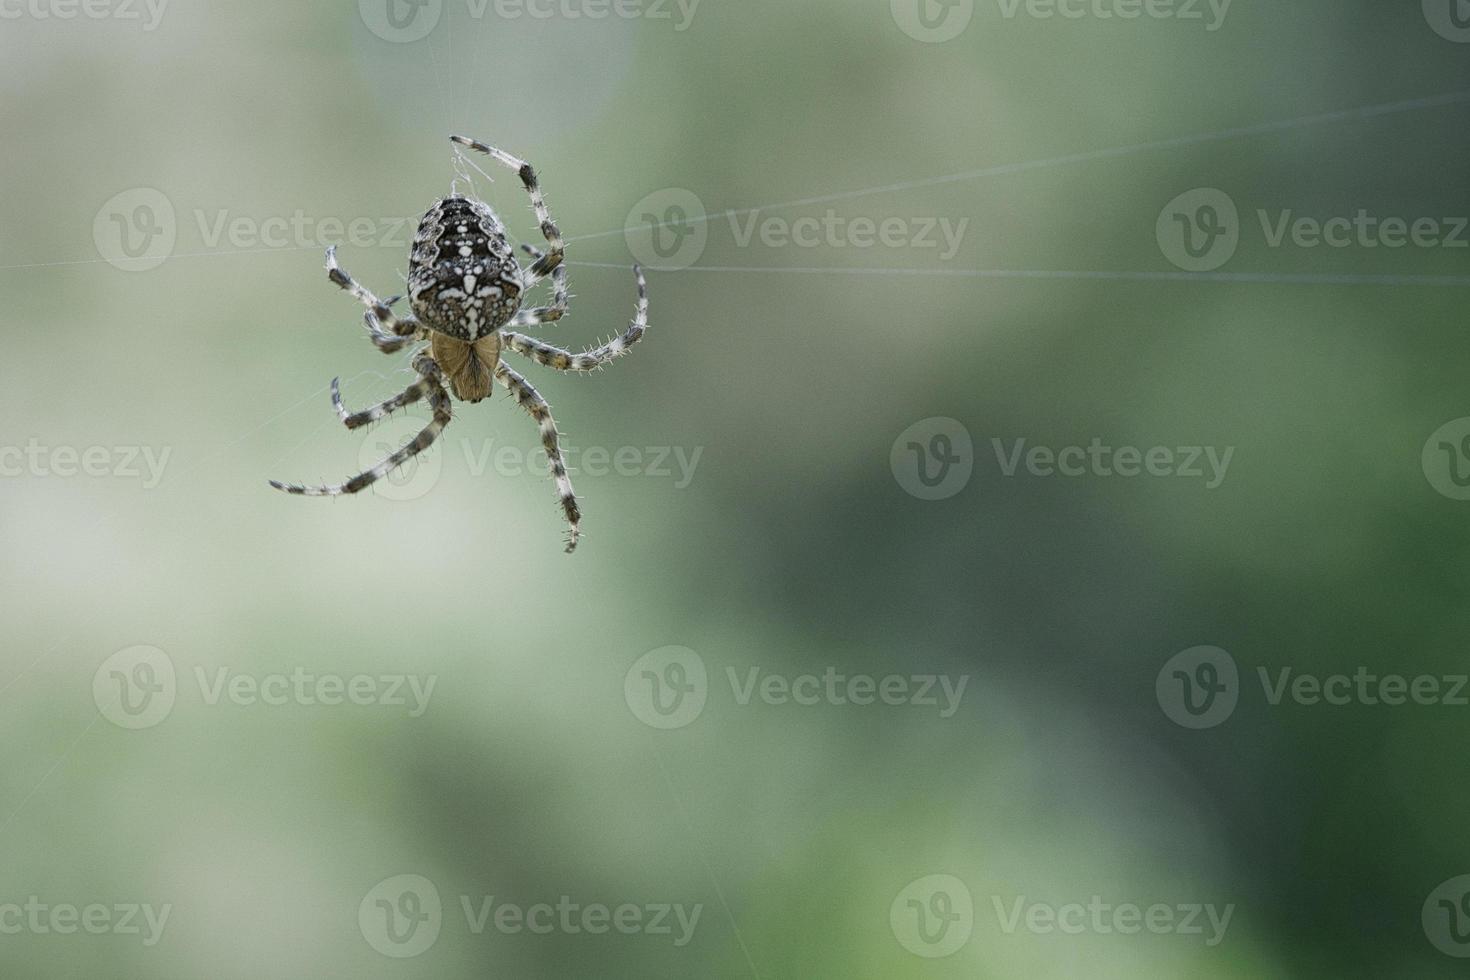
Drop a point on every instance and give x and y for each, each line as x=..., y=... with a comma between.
x=591, y=738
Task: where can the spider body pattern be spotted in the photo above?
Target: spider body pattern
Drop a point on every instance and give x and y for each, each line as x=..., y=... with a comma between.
x=465, y=290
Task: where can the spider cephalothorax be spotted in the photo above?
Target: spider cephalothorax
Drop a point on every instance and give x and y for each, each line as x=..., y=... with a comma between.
x=465, y=289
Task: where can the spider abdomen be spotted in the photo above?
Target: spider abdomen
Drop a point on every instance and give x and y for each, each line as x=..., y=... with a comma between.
x=470, y=367
x=463, y=280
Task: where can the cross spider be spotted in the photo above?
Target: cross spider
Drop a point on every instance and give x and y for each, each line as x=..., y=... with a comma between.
x=465, y=288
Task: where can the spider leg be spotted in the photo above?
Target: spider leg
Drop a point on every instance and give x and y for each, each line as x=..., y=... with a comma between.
x=530, y=399
x=592, y=358
x=438, y=400
x=389, y=343
x=387, y=332
x=356, y=420
x=548, y=262
x=559, y=301
x=392, y=343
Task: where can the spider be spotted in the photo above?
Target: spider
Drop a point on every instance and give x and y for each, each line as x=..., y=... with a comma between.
x=466, y=288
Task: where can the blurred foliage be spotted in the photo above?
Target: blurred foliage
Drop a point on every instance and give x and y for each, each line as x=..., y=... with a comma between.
x=793, y=549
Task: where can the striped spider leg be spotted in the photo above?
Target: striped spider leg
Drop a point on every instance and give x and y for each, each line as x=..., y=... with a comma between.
x=546, y=263
x=530, y=399
x=560, y=299
x=430, y=384
x=388, y=333
x=592, y=358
